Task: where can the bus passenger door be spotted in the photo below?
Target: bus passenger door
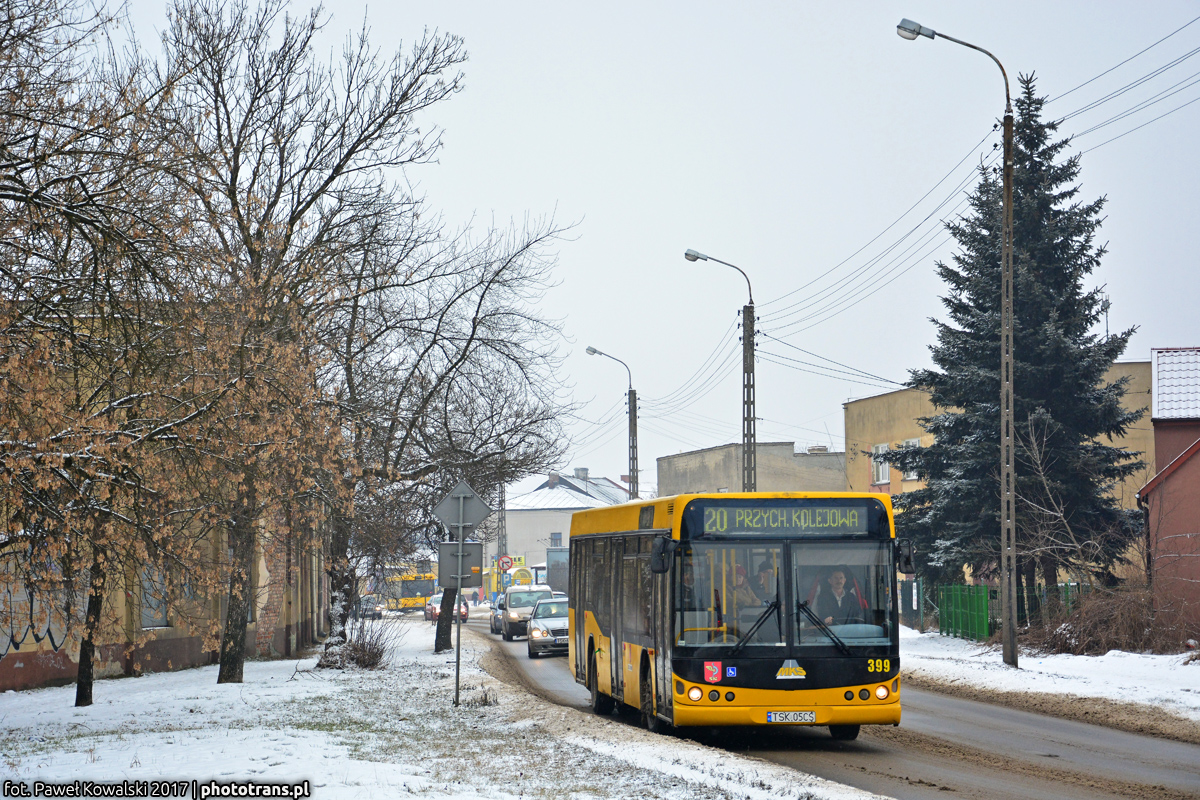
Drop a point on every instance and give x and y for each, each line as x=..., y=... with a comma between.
x=660, y=635
x=617, y=643
x=576, y=600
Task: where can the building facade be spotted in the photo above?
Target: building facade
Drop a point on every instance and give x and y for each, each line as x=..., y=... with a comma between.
x=144, y=632
x=780, y=469
x=1170, y=500
x=890, y=421
x=541, y=518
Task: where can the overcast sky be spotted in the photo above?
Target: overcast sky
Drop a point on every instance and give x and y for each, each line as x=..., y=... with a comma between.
x=789, y=139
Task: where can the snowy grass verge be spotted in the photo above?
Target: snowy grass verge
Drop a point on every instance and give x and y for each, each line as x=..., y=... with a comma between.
x=359, y=733
x=1163, y=682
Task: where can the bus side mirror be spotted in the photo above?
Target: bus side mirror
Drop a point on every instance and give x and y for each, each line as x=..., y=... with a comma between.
x=660, y=554
x=904, y=557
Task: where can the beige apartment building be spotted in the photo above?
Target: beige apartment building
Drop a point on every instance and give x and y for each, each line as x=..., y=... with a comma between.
x=779, y=469
x=889, y=421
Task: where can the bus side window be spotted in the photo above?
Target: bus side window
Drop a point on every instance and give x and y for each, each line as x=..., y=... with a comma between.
x=598, y=586
x=645, y=587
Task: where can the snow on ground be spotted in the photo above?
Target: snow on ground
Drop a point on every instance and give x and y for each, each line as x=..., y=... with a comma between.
x=361, y=733
x=395, y=731
x=1164, y=682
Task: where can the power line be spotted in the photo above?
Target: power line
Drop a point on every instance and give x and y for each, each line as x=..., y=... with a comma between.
x=858, y=273
x=1123, y=63
x=953, y=169
x=771, y=358
x=1139, y=127
x=830, y=360
x=1149, y=101
x=1129, y=86
x=696, y=376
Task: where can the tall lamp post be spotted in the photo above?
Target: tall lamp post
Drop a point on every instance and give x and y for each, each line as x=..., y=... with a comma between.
x=633, y=455
x=749, y=438
x=1008, y=544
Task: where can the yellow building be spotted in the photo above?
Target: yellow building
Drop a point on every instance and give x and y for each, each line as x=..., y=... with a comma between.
x=889, y=421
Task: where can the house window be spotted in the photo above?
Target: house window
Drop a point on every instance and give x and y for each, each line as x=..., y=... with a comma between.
x=154, y=599
x=556, y=539
x=879, y=467
x=910, y=474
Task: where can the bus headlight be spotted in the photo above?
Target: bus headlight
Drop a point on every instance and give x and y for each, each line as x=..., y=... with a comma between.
x=881, y=692
x=695, y=693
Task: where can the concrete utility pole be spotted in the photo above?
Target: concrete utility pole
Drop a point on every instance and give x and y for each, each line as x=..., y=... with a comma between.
x=633, y=453
x=749, y=434
x=1008, y=476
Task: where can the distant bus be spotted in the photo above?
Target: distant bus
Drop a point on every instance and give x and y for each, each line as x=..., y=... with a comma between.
x=410, y=591
x=740, y=609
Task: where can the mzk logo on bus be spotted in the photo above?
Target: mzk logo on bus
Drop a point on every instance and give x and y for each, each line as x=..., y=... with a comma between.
x=790, y=670
x=712, y=671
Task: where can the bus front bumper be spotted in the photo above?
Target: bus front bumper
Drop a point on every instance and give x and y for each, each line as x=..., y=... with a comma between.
x=720, y=713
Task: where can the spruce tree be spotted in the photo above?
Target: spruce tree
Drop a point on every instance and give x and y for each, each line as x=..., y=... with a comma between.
x=1067, y=516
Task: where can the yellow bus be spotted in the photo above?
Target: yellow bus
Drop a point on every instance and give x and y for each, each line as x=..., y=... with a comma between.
x=410, y=591
x=740, y=609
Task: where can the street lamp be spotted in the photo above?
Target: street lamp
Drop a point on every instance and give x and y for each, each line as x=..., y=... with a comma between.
x=749, y=443
x=633, y=454
x=1008, y=545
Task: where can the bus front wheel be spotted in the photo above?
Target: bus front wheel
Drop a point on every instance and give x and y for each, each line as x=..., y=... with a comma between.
x=649, y=719
x=844, y=733
x=602, y=704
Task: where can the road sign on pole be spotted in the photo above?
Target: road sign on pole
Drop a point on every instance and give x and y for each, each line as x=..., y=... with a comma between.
x=505, y=562
x=459, y=511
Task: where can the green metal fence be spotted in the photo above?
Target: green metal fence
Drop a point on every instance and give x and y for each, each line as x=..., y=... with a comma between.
x=963, y=612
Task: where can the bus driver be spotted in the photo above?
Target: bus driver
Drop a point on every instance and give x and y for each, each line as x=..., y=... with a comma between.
x=835, y=605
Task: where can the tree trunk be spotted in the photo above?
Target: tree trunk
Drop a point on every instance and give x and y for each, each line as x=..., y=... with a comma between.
x=342, y=589
x=91, y=624
x=1033, y=604
x=442, y=640
x=241, y=541
x=1053, y=599
x=1022, y=606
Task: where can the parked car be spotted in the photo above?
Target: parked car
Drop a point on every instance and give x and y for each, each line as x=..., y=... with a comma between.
x=370, y=607
x=496, y=618
x=518, y=603
x=548, y=628
x=434, y=607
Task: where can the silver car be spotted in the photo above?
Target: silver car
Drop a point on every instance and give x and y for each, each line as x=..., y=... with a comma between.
x=548, y=628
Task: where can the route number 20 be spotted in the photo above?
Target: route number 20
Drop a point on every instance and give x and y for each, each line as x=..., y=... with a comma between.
x=879, y=665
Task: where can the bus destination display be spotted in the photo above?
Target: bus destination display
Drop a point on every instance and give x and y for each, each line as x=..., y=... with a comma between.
x=773, y=519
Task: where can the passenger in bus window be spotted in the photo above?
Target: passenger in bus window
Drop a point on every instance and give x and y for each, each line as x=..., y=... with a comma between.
x=835, y=604
x=743, y=595
x=764, y=582
x=687, y=589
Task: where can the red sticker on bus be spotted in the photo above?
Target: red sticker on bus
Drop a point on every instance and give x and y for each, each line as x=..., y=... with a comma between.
x=712, y=671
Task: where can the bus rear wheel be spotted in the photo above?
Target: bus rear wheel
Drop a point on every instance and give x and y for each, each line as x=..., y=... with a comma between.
x=844, y=733
x=602, y=704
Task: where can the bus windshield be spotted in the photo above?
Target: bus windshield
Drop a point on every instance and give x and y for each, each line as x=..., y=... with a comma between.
x=729, y=594
x=415, y=587
x=772, y=594
x=847, y=587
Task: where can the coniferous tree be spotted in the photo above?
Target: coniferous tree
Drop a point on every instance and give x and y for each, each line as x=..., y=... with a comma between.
x=1067, y=516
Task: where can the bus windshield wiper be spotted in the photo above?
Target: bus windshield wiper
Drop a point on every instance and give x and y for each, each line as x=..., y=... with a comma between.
x=821, y=626
x=773, y=606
